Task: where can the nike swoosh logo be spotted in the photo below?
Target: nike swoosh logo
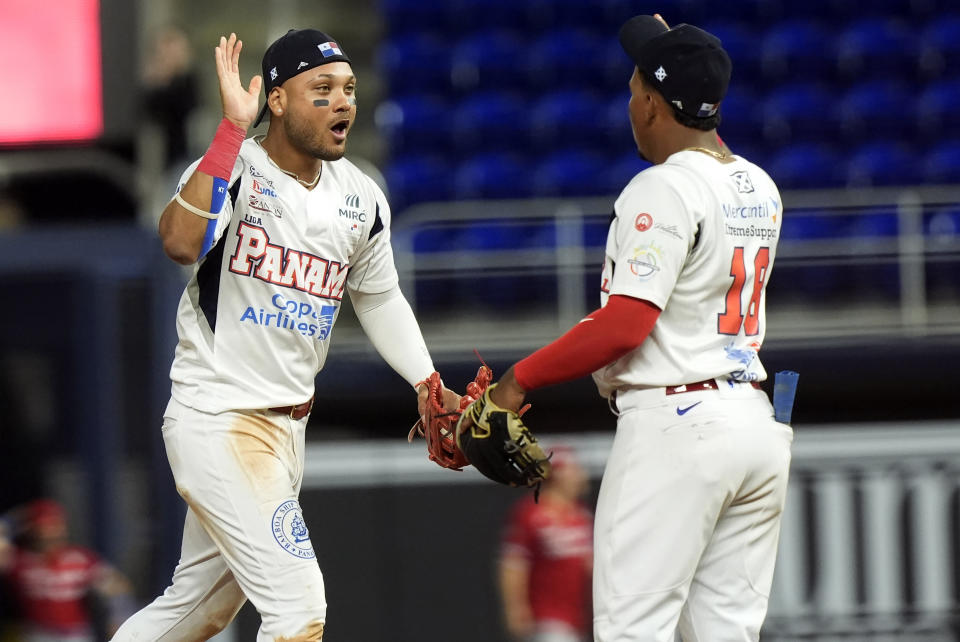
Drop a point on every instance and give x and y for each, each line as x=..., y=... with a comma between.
x=683, y=411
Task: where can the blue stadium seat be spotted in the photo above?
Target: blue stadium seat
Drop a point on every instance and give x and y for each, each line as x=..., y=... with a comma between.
x=616, y=12
x=615, y=122
x=877, y=107
x=798, y=50
x=435, y=239
x=416, y=59
x=740, y=43
x=556, y=57
x=621, y=171
x=552, y=14
x=873, y=224
x=406, y=16
x=799, y=112
x=463, y=16
x=943, y=226
x=492, y=175
x=569, y=173
x=615, y=66
x=740, y=114
x=489, y=120
x=488, y=59
x=940, y=46
x=877, y=47
x=807, y=165
x=941, y=164
x=413, y=179
x=937, y=110
x=882, y=163
x=811, y=225
x=414, y=123
x=565, y=117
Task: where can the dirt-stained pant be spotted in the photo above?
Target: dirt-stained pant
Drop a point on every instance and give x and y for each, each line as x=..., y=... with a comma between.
x=244, y=535
x=688, y=517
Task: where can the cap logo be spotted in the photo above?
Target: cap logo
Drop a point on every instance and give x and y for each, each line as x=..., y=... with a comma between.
x=273, y=74
x=707, y=109
x=660, y=73
x=329, y=49
x=302, y=64
x=678, y=103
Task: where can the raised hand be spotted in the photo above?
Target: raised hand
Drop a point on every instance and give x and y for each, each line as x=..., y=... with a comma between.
x=239, y=104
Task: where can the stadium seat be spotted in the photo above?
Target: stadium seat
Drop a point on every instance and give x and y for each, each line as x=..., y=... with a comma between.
x=416, y=59
x=941, y=165
x=874, y=224
x=615, y=65
x=567, y=117
x=569, y=173
x=878, y=107
x=488, y=59
x=799, y=112
x=414, y=123
x=807, y=165
x=936, y=110
x=741, y=44
x=878, y=47
x=617, y=174
x=797, y=50
x=940, y=46
x=463, y=16
x=740, y=114
x=492, y=175
x=414, y=179
x=882, y=163
x=435, y=239
x=811, y=225
x=615, y=122
x=561, y=55
x=553, y=14
x=485, y=121
x=405, y=16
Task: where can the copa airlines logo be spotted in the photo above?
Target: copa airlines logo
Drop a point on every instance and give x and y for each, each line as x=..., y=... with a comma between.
x=309, y=319
x=256, y=256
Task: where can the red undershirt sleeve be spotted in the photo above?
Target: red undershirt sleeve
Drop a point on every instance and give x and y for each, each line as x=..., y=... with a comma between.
x=601, y=338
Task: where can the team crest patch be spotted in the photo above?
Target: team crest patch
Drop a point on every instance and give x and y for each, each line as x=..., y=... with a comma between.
x=290, y=530
x=646, y=261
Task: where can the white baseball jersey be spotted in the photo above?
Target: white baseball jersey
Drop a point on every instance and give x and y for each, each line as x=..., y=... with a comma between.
x=697, y=238
x=255, y=320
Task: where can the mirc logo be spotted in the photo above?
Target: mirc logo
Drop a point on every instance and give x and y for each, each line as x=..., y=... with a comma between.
x=352, y=200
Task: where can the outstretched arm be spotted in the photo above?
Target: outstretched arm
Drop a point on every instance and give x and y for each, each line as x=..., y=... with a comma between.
x=185, y=220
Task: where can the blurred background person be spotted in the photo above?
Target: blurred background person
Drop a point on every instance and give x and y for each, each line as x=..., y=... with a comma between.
x=61, y=592
x=170, y=93
x=546, y=560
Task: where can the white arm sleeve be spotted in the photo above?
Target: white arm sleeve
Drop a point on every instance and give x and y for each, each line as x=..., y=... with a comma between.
x=388, y=321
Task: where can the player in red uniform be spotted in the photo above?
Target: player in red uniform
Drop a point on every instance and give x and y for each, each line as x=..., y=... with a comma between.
x=546, y=560
x=54, y=580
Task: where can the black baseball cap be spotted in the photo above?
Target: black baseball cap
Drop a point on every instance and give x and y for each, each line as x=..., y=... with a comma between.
x=687, y=65
x=293, y=53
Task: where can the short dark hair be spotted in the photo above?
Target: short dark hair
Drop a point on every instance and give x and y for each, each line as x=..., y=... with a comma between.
x=703, y=124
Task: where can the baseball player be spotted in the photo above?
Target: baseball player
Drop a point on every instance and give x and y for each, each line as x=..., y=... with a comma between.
x=689, y=510
x=547, y=557
x=280, y=226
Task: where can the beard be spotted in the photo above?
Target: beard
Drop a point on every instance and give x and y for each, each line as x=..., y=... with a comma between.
x=305, y=138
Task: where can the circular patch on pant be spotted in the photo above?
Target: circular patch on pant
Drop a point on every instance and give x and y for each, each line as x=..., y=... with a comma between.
x=290, y=530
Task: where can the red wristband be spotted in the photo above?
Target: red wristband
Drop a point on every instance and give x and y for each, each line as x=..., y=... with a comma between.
x=222, y=154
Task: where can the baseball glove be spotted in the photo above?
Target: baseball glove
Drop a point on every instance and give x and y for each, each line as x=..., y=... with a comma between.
x=500, y=446
x=437, y=424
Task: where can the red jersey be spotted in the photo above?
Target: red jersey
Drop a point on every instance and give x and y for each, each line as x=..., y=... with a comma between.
x=557, y=543
x=51, y=588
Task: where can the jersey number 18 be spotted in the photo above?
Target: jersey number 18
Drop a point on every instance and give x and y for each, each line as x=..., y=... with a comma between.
x=732, y=318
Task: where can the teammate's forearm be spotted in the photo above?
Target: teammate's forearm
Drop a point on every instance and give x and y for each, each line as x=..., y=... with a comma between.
x=601, y=338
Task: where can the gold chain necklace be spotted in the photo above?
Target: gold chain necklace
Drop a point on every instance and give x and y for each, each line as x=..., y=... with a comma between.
x=718, y=155
x=307, y=184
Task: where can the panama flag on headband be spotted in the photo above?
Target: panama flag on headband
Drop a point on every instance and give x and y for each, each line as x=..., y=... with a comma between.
x=330, y=49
